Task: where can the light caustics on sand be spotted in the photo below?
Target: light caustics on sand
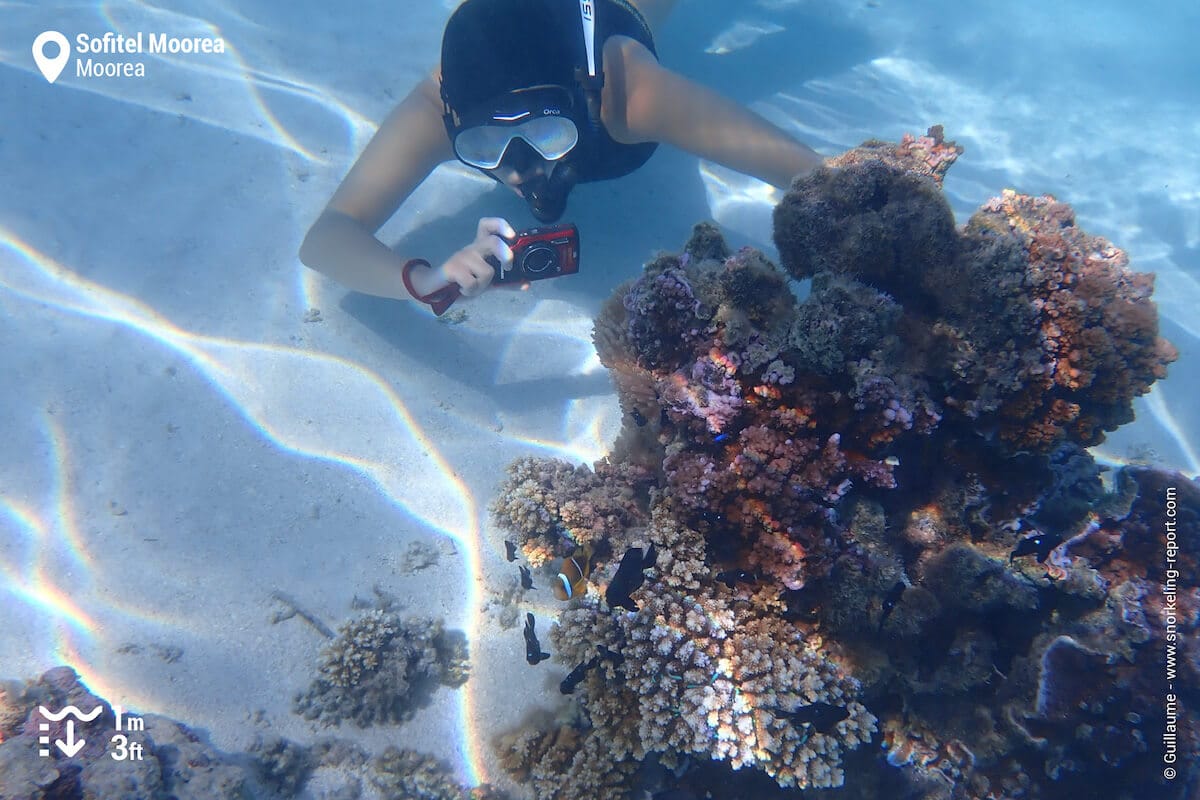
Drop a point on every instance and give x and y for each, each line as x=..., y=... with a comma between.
x=241, y=89
x=37, y=582
x=740, y=203
x=553, y=345
x=286, y=395
x=51, y=563
x=741, y=35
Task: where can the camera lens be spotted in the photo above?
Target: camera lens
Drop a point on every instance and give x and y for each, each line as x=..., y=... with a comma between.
x=539, y=259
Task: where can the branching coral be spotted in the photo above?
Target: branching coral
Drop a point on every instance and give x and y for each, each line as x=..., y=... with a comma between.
x=702, y=674
x=557, y=761
x=381, y=668
x=553, y=506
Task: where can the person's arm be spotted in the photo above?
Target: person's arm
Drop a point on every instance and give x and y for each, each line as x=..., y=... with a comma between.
x=409, y=144
x=663, y=106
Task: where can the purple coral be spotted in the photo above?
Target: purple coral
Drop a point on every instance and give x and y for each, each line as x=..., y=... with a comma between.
x=664, y=318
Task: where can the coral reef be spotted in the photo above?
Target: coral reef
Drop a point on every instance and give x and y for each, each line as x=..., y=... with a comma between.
x=380, y=668
x=875, y=516
x=929, y=156
x=284, y=766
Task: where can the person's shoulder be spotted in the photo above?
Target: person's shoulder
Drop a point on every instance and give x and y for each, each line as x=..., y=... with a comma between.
x=620, y=50
x=630, y=70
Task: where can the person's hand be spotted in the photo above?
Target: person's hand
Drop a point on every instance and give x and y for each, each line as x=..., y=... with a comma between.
x=468, y=267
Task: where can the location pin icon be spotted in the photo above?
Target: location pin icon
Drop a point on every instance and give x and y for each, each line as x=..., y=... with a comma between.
x=51, y=67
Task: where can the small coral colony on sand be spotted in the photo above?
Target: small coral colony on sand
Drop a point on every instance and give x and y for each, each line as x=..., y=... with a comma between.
x=869, y=516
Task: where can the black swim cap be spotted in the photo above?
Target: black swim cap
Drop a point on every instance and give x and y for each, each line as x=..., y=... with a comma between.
x=495, y=46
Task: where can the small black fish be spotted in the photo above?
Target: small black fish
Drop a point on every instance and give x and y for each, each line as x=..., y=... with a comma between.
x=821, y=716
x=890, y=600
x=730, y=577
x=510, y=551
x=712, y=517
x=576, y=675
x=663, y=419
x=638, y=418
x=801, y=605
x=1039, y=544
x=533, y=648
x=526, y=578
x=611, y=655
x=629, y=578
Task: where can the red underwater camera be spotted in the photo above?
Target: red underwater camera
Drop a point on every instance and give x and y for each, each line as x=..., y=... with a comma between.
x=540, y=253
x=537, y=253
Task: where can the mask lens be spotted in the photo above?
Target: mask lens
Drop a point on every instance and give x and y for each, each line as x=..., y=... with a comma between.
x=552, y=137
x=483, y=146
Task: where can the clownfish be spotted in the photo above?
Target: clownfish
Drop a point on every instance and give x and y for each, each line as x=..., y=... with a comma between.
x=571, y=580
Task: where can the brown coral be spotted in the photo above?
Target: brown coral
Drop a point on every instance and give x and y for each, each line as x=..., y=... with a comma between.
x=1097, y=330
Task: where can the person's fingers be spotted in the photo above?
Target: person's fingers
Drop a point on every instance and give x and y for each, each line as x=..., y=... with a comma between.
x=470, y=271
x=494, y=226
x=500, y=249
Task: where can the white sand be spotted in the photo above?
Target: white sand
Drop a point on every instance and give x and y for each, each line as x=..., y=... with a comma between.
x=180, y=443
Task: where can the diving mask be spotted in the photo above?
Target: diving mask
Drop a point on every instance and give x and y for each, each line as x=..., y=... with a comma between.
x=539, y=116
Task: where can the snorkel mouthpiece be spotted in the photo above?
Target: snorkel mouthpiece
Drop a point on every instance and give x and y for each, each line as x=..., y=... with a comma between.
x=548, y=196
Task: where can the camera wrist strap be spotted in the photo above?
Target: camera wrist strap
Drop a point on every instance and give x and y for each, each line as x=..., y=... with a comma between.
x=439, y=299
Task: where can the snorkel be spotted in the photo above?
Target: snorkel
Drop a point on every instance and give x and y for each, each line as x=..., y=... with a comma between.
x=547, y=197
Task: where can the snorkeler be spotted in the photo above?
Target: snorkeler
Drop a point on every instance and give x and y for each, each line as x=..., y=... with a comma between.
x=540, y=95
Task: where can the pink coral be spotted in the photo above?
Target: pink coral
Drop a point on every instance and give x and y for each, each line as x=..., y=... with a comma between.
x=708, y=391
x=929, y=155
